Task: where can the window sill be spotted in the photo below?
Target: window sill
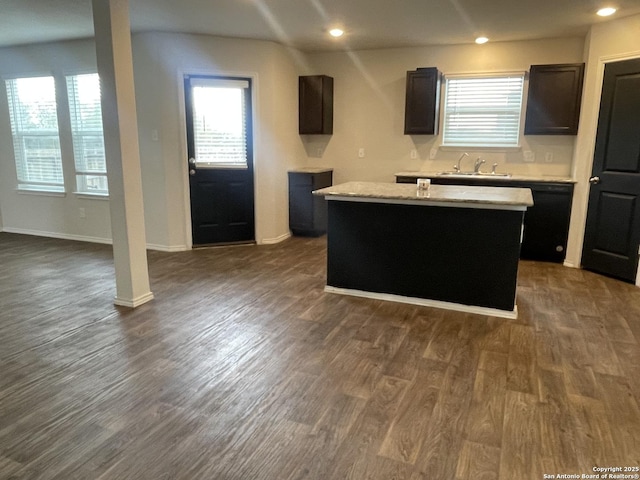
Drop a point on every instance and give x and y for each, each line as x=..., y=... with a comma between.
x=44, y=193
x=471, y=148
x=92, y=196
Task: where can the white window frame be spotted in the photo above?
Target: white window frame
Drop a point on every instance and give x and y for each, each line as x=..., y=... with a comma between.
x=81, y=131
x=21, y=133
x=483, y=119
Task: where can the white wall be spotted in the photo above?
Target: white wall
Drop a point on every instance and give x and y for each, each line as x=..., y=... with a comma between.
x=158, y=61
x=369, y=96
x=611, y=41
x=41, y=214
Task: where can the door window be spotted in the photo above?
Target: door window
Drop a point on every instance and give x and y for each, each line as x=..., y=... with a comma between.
x=219, y=122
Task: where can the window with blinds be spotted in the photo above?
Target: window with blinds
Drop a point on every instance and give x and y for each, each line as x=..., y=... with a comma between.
x=34, y=127
x=220, y=123
x=86, y=129
x=483, y=111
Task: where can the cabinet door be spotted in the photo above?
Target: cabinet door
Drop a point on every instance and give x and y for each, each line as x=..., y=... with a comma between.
x=307, y=212
x=553, y=102
x=422, y=103
x=315, y=108
x=547, y=223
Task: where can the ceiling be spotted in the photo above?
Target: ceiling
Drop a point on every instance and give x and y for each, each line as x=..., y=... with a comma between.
x=304, y=23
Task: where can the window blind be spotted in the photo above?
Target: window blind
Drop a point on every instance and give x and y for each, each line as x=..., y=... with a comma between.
x=220, y=123
x=87, y=132
x=483, y=111
x=34, y=127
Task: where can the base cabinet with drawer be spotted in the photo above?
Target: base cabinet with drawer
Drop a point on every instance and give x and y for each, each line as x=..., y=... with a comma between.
x=308, y=212
x=546, y=224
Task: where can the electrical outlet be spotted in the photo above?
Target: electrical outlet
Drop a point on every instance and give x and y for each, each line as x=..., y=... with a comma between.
x=529, y=156
x=154, y=135
x=433, y=153
x=82, y=213
x=414, y=153
x=548, y=157
x=319, y=152
x=361, y=152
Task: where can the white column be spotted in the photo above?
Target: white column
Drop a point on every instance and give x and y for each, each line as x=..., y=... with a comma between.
x=115, y=67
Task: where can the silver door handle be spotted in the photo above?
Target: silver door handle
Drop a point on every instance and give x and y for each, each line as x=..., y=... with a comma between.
x=594, y=180
x=192, y=161
x=192, y=172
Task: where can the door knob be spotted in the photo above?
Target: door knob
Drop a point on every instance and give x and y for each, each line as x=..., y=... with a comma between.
x=192, y=172
x=192, y=161
x=594, y=180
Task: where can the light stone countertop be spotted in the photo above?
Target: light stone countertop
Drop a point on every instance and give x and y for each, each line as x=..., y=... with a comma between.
x=437, y=195
x=486, y=176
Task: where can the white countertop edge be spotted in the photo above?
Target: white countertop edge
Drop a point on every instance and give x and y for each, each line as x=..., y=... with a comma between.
x=427, y=203
x=310, y=170
x=424, y=302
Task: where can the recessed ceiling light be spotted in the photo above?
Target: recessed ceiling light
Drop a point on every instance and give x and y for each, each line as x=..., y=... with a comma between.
x=336, y=32
x=481, y=40
x=605, y=12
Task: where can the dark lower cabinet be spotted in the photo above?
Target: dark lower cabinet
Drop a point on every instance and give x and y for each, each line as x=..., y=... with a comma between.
x=308, y=212
x=546, y=224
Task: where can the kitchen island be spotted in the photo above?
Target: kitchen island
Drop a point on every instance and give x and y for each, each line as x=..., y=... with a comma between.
x=454, y=247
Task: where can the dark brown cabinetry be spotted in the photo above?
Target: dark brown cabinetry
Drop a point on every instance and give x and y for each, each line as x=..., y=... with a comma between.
x=422, y=102
x=308, y=212
x=546, y=224
x=315, y=105
x=553, y=102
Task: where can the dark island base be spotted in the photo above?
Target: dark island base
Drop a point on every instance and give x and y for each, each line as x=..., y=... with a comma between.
x=464, y=256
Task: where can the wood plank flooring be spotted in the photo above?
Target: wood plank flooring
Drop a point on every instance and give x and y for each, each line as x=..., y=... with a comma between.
x=242, y=368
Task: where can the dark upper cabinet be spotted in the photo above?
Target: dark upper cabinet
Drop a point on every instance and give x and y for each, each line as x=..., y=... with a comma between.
x=553, y=103
x=315, y=107
x=422, y=103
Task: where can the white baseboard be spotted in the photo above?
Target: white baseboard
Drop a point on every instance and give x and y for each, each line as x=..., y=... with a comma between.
x=85, y=238
x=61, y=236
x=424, y=302
x=133, y=302
x=169, y=248
x=273, y=241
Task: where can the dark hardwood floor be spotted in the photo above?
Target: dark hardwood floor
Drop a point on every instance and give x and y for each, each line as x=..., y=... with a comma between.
x=242, y=368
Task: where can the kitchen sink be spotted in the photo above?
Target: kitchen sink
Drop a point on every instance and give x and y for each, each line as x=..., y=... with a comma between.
x=472, y=174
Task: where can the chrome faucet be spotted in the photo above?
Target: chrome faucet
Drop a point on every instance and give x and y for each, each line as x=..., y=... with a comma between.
x=478, y=164
x=456, y=167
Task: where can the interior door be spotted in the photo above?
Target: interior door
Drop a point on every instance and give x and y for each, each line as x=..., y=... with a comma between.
x=612, y=235
x=219, y=137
